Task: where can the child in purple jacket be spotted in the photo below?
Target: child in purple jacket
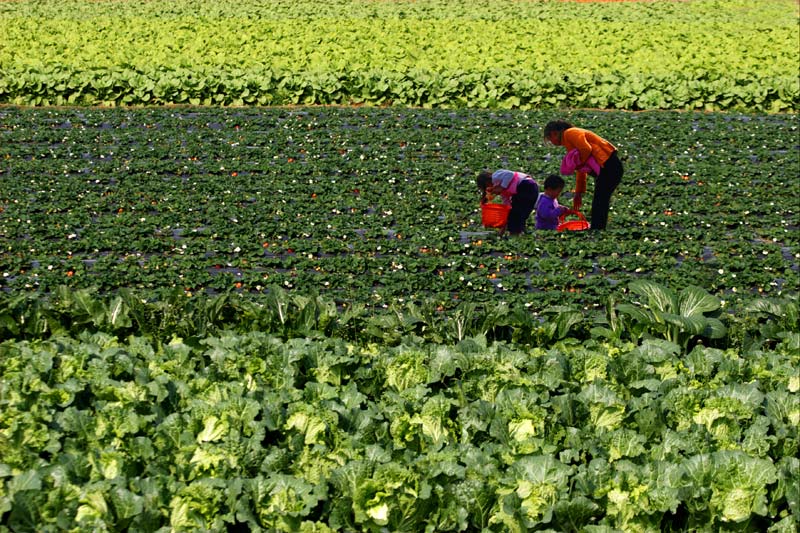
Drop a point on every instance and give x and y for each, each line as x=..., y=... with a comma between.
x=547, y=208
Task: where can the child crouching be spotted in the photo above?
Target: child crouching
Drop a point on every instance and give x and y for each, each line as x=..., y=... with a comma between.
x=547, y=208
x=517, y=189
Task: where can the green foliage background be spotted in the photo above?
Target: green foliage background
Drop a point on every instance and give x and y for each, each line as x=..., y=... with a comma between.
x=643, y=380
x=705, y=54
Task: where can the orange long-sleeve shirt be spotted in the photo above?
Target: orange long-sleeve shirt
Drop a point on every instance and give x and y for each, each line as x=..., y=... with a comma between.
x=588, y=143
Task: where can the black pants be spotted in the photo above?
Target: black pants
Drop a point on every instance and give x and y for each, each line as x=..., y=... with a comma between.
x=606, y=182
x=522, y=204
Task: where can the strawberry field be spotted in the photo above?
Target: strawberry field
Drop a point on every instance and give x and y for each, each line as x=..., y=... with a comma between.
x=380, y=206
x=233, y=318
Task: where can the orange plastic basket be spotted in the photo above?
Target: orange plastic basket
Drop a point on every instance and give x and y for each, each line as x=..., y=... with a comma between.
x=494, y=215
x=572, y=225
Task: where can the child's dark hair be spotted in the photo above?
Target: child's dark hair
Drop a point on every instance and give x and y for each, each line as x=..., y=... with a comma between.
x=483, y=181
x=556, y=125
x=554, y=181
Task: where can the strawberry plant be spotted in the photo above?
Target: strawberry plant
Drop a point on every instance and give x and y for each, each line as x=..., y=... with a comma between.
x=208, y=201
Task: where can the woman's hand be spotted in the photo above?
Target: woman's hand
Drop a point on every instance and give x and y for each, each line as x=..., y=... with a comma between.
x=577, y=201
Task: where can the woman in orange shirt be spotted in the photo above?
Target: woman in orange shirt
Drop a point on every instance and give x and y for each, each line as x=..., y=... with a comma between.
x=562, y=133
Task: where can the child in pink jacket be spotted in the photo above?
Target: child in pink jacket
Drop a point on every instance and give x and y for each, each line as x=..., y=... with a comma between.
x=517, y=189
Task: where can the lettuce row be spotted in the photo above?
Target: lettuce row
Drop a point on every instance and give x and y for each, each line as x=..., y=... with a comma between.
x=324, y=434
x=417, y=87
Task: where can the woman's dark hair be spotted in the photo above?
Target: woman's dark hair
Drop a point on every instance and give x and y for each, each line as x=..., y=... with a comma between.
x=483, y=181
x=554, y=181
x=556, y=125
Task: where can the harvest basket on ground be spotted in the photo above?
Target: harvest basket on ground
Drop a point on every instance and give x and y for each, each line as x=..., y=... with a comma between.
x=572, y=225
x=494, y=215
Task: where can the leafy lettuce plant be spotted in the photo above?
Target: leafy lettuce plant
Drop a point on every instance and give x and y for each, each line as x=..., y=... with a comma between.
x=676, y=317
x=770, y=321
x=730, y=485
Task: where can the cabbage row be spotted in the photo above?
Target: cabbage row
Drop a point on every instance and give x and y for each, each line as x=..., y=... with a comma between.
x=257, y=431
x=709, y=55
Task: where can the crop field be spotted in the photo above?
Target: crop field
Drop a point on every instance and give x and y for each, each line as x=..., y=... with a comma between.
x=380, y=206
x=226, y=307
x=699, y=54
x=292, y=318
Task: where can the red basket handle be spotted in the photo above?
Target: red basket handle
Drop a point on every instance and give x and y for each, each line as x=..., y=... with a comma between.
x=571, y=212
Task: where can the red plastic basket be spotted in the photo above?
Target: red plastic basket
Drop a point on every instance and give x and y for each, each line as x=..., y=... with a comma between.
x=494, y=215
x=572, y=225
